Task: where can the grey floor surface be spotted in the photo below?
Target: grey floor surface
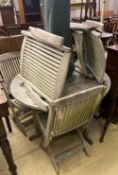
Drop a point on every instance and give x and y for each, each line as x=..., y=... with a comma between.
x=32, y=160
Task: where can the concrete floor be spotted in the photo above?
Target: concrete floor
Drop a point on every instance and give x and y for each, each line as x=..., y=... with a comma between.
x=32, y=160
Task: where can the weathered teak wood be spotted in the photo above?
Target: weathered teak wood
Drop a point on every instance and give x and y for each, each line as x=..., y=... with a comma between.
x=48, y=61
x=10, y=67
x=4, y=143
x=63, y=107
x=93, y=55
x=70, y=112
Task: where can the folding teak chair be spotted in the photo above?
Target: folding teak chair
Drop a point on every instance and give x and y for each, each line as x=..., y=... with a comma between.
x=9, y=68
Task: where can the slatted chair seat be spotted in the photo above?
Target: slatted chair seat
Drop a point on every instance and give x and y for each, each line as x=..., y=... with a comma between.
x=78, y=83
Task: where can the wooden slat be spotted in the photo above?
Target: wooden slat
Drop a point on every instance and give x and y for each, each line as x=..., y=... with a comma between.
x=52, y=56
x=41, y=80
x=39, y=59
x=9, y=55
x=78, y=113
x=44, y=65
x=50, y=50
x=28, y=34
x=9, y=66
x=48, y=72
x=62, y=73
x=40, y=83
x=42, y=60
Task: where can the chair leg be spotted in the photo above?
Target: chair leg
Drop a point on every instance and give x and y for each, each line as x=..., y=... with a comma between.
x=46, y=147
x=86, y=137
x=20, y=126
x=37, y=129
x=8, y=123
x=19, y=122
x=101, y=140
x=51, y=154
x=83, y=143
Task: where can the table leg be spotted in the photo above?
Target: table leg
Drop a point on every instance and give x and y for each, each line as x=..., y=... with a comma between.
x=4, y=144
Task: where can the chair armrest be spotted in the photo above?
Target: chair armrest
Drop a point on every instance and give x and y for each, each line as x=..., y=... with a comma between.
x=9, y=55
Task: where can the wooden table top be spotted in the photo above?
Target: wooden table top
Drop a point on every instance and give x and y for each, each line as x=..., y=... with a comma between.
x=106, y=35
x=113, y=47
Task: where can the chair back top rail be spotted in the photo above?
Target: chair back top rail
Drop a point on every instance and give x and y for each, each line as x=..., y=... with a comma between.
x=59, y=41
x=9, y=55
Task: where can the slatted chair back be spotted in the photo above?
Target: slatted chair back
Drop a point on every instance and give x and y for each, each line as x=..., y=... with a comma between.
x=90, y=50
x=78, y=38
x=44, y=62
x=74, y=110
x=95, y=60
x=9, y=67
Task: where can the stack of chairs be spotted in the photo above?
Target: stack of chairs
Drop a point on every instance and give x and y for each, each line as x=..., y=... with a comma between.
x=60, y=105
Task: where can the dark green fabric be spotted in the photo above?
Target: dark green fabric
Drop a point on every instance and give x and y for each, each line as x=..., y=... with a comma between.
x=57, y=19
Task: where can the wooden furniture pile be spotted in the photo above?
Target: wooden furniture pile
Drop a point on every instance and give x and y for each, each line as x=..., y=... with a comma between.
x=59, y=106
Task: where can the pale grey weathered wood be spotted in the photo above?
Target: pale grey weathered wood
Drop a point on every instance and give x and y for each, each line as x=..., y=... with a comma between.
x=41, y=82
x=10, y=67
x=46, y=36
x=46, y=60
